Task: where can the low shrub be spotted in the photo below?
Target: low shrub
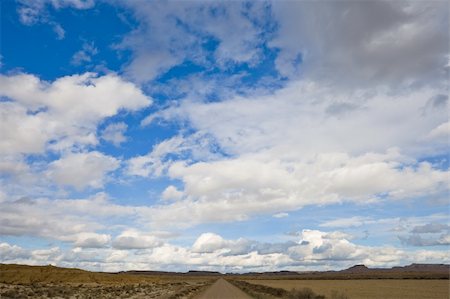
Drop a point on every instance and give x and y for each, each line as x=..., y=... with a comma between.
x=305, y=293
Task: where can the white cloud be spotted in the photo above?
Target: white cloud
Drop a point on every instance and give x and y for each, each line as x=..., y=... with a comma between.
x=443, y=130
x=209, y=242
x=153, y=163
x=85, y=54
x=190, y=25
x=12, y=252
x=346, y=222
x=91, y=240
x=280, y=215
x=115, y=133
x=171, y=193
x=287, y=149
x=132, y=239
x=163, y=154
x=12, y=165
x=427, y=230
x=401, y=223
x=69, y=220
x=32, y=12
x=60, y=114
x=299, y=113
x=78, y=4
x=271, y=186
x=82, y=170
x=48, y=254
x=313, y=250
x=60, y=32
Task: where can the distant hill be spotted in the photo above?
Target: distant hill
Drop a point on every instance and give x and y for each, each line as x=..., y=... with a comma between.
x=17, y=274
x=163, y=273
x=50, y=274
x=425, y=268
x=413, y=271
x=202, y=273
x=356, y=269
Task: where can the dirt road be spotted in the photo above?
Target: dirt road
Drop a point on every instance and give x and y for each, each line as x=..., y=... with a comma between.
x=222, y=289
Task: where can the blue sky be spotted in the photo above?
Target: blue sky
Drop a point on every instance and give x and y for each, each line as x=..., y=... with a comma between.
x=231, y=136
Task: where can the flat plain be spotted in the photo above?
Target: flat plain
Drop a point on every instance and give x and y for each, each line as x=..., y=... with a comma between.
x=368, y=288
x=21, y=281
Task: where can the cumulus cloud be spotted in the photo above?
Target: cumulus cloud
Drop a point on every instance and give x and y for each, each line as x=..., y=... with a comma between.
x=115, y=133
x=12, y=252
x=298, y=113
x=58, y=115
x=82, y=170
x=312, y=250
x=38, y=117
x=91, y=240
x=209, y=242
x=295, y=154
x=271, y=186
x=69, y=220
x=171, y=193
x=132, y=239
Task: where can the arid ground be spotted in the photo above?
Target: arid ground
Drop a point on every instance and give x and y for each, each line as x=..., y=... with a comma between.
x=368, y=288
x=19, y=281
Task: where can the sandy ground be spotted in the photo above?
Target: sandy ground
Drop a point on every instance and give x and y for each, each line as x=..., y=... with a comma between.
x=222, y=289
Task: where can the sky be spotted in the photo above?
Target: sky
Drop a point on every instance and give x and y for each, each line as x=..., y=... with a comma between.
x=224, y=135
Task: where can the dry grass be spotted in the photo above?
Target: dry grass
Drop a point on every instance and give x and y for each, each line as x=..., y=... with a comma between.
x=259, y=291
x=141, y=290
x=18, y=281
x=21, y=274
x=368, y=289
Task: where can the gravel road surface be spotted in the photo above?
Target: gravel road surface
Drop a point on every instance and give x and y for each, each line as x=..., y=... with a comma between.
x=222, y=289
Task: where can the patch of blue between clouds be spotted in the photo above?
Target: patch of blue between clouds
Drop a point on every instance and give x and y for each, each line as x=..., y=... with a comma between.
x=441, y=161
x=30, y=242
x=36, y=50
